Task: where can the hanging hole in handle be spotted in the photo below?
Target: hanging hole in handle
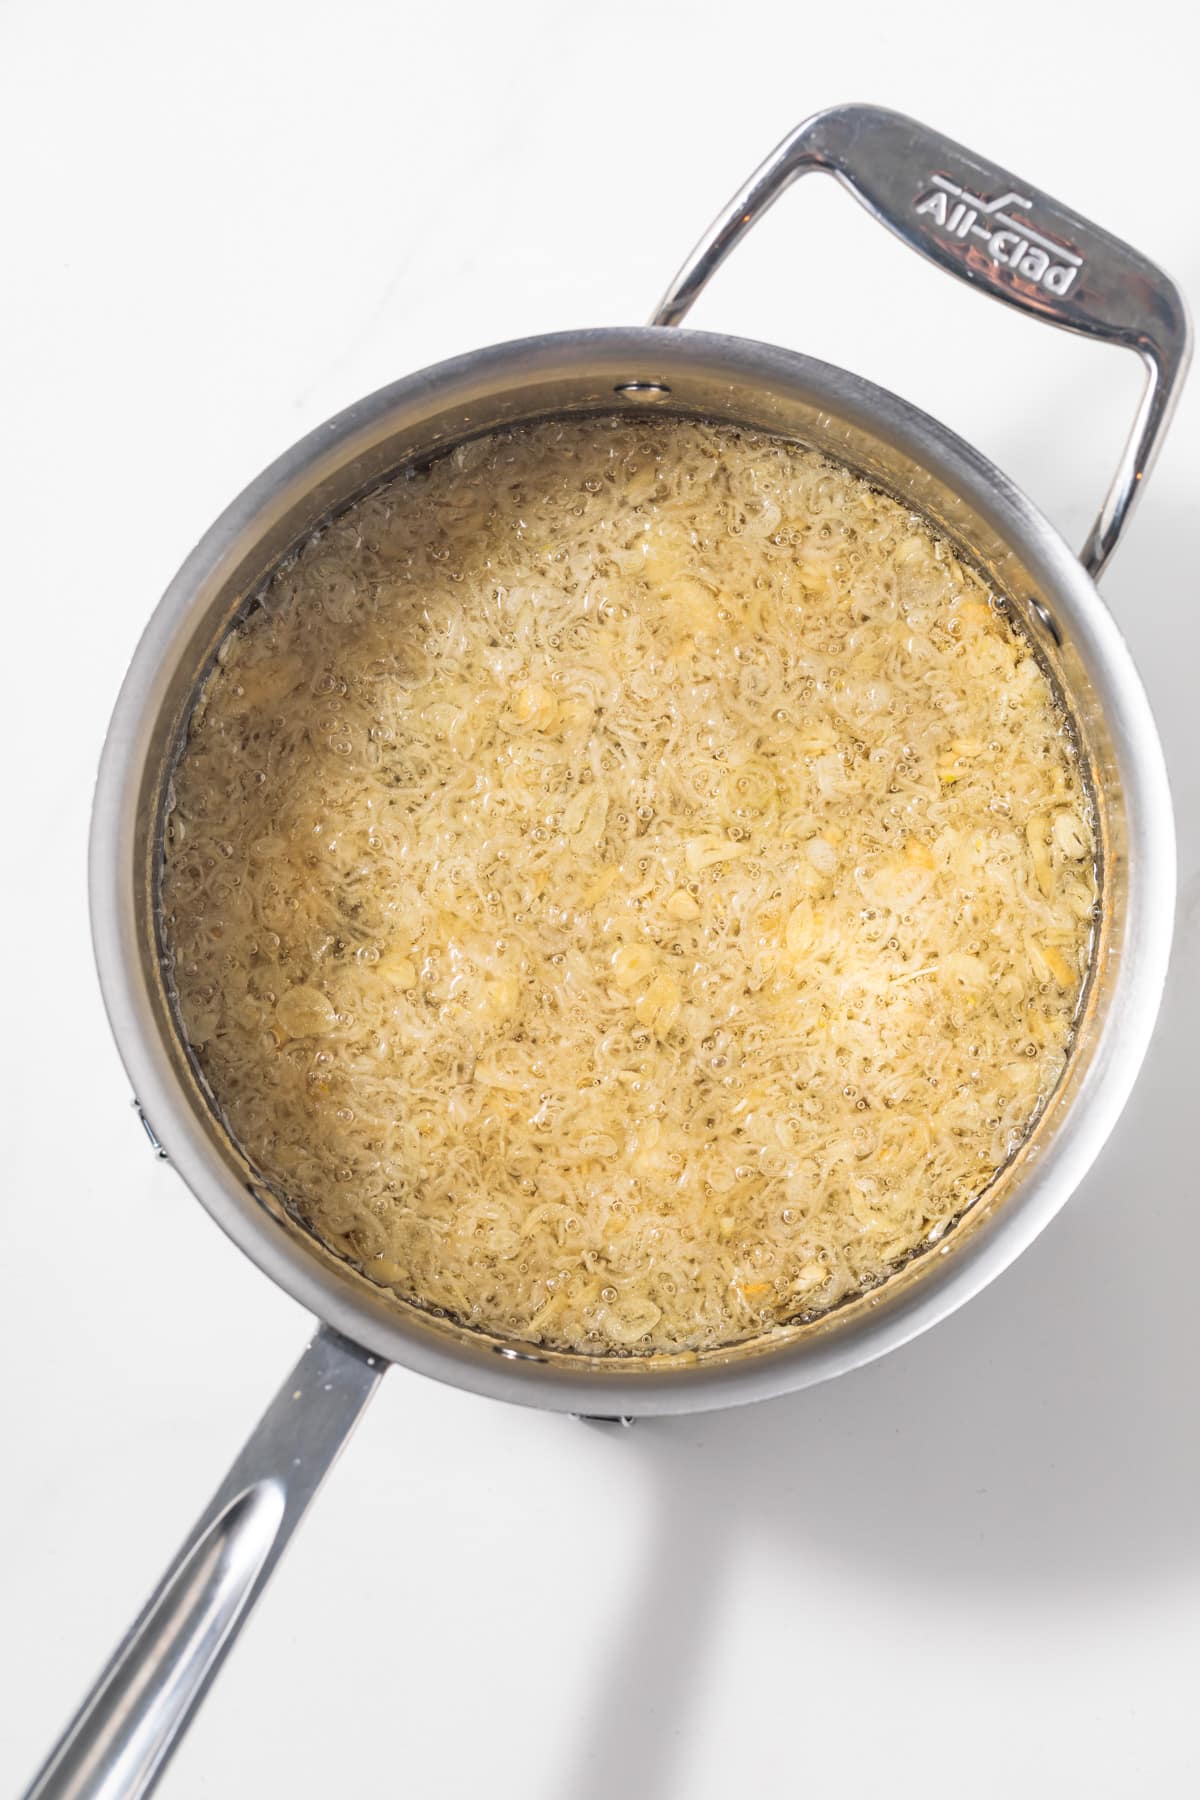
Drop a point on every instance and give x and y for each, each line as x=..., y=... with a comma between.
x=643, y=390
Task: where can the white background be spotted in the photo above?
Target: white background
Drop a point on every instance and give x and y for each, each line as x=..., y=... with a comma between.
x=971, y=1569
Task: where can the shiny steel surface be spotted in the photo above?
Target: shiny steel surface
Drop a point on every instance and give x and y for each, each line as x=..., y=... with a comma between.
x=999, y=233
x=716, y=377
x=120, y=1740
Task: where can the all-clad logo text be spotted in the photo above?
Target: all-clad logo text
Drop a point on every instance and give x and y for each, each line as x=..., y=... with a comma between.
x=1011, y=242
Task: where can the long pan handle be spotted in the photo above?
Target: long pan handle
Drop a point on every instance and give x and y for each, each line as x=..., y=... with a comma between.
x=120, y=1740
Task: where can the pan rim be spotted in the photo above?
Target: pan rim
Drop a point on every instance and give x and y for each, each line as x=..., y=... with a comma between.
x=616, y=1385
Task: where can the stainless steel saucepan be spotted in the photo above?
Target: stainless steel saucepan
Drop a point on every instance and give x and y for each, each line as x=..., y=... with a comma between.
x=1006, y=238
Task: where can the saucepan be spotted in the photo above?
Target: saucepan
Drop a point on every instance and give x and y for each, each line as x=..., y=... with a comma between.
x=1006, y=238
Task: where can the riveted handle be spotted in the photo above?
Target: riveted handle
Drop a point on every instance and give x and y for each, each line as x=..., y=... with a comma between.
x=996, y=231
